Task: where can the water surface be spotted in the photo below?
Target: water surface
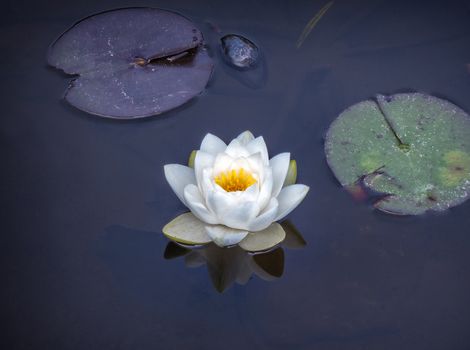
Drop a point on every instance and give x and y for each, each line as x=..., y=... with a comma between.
x=84, y=198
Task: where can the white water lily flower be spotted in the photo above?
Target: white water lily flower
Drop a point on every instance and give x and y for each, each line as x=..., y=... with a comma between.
x=236, y=193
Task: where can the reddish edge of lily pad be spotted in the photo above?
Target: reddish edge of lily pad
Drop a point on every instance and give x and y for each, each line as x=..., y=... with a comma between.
x=412, y=149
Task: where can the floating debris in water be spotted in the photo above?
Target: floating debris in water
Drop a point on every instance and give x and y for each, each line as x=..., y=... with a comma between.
x=312, y=23
x=412, y=150
x=132, y=63
x=239, y=51
x=245, y=61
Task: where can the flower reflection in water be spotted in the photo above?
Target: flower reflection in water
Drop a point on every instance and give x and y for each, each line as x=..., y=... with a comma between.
x=229, y=265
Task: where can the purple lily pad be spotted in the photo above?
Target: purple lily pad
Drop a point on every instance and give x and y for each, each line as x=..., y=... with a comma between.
x=132, y=62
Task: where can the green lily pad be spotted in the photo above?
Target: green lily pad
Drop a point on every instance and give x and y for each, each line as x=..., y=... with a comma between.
x=263, y=240
x=413, y=149
x=186, y=229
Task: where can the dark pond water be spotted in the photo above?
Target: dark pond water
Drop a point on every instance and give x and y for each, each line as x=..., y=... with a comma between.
x=84, y=198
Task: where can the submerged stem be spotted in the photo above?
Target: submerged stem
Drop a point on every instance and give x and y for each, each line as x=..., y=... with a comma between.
x=312, y=23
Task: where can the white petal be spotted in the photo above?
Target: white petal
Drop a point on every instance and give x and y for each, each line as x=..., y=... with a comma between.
x=186, y=229
x=266, y=188
x=236, y=150
x=202, y=161
x=245, y=137
x=195, y=203
x=240, y=215
x=179, y=176
x=265, y=239
x=212, y=144
x=251, y=194
x=233, y=209
x=266, y=217
x=289, y=198
x=219, y=201
x=255, y=162
x=222, y=163
x=258, y=145
x=208, y=185
x=279, y=165
x=224, y=236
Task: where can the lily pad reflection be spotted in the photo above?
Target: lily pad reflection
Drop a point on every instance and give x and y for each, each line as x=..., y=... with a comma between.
x=227, y=266
x=132, y=62
x=412, y=149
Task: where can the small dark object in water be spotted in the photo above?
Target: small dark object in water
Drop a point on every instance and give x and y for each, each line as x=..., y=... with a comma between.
x=239, y=51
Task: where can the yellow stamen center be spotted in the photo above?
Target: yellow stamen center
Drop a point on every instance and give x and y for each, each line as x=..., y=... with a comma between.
x=235, y=180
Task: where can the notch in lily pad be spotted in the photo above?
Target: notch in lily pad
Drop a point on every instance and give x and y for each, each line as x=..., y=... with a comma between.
x=411, y=150
x=132, y=62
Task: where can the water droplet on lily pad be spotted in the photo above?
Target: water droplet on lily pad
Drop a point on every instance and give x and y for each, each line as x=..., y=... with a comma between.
x=413, y=148
x=132, y=62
